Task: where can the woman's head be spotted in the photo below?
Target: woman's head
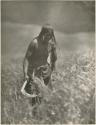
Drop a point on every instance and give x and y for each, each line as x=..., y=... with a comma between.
x=47, y=33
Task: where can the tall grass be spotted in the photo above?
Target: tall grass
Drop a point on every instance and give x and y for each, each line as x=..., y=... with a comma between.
x=72, y=102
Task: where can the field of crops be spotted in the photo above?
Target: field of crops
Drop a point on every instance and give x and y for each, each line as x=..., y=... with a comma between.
x=73, y=81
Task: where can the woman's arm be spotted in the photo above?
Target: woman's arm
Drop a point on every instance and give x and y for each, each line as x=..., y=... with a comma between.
x=26, y=59
x=25, y=67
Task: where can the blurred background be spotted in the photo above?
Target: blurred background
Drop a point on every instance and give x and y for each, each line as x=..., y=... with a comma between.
x=25, y=19
x=69, y=17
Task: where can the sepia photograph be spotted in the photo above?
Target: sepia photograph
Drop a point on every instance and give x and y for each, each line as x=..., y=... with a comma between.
x=48, y=62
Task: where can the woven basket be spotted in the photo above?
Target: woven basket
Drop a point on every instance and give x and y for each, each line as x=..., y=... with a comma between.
x=35, y=88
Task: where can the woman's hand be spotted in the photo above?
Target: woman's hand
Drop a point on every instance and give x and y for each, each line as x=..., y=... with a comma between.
x=26, y=77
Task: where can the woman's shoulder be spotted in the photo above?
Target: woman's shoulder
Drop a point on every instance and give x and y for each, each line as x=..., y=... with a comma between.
x=34, y=43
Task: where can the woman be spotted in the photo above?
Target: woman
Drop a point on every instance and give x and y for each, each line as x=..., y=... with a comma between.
x=41, y=56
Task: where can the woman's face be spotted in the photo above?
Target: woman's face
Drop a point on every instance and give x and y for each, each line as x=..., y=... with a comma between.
x=47, y=36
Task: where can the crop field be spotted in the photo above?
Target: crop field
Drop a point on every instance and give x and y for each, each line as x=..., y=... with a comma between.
x=73, y=101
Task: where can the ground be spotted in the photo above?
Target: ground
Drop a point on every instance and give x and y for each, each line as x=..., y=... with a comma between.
x=74, y=79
